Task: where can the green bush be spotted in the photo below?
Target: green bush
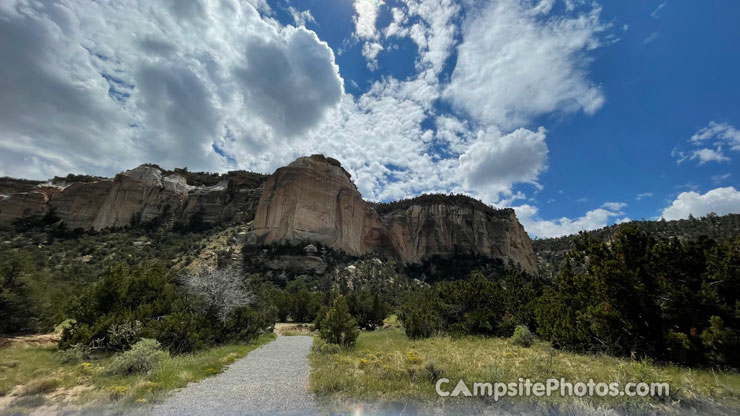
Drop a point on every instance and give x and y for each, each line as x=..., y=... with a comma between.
x=481, y=305
x=323, y=347
x=419, y=321
x=144, y=356
x=522, y=337
x=338, y=326
x=645, y=296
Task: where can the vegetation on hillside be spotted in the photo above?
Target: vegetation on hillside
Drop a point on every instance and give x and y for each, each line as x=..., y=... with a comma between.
x=551, y=251
x=460, y=200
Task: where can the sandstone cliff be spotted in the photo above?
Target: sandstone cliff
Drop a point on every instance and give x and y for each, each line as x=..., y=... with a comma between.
x=146, y=193
x=314, y=199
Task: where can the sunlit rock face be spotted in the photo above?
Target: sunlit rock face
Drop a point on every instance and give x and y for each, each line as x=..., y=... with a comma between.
x=311, y=200
x=314, y=199
x=144, y=194
x=421, y=231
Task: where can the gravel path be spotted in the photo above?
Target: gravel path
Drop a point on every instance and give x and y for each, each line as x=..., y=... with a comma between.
x=271, y=380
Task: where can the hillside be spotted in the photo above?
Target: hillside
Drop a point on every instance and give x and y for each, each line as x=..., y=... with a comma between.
x=551, y=251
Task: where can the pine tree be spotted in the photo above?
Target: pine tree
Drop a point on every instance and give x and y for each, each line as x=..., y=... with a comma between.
x=338, y=326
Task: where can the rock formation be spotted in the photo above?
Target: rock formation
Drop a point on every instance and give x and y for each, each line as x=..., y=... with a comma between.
x=311, y=200
x=314, y=199
x=146, y=193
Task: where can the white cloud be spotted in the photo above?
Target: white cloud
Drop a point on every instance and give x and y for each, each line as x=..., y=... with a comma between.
x=709, y=155
x=517, y=62
x=98, y=87
x=719, y=132
x=434, y=34
x=493, y=163
x=720, y=201
x=367, y=14
x=370, y=50
x=716, y=179
x=396, y=27
x=301, y=17
x=644, y=195
x=613, y=206
x=594, y=219
x=716, y=134
x=657, y=10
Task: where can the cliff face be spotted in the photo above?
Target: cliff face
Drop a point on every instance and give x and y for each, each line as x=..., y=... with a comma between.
x=314, y=199
x=422, y=231
x=139, y=195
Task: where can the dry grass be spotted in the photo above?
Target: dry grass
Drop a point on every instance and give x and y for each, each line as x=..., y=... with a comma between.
x=31, y=377
x=386, y=366
x=289, y=329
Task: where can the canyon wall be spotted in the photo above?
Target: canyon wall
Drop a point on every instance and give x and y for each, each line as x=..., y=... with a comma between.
x=134, y=197
x=312, y=199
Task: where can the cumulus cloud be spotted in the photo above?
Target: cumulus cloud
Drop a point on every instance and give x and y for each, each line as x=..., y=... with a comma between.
x=591, y=220
x=517, y=62
x=220, y=84
x=434, y=32
x=366, y=15
x=370, y=50
x=106, y=85
x=290, y=82
x=721, y=201
x=493, y=163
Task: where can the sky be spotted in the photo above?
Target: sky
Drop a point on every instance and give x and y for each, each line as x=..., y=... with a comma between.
x=578, y=114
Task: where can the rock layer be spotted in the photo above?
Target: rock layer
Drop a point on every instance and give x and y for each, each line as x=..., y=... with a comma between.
x=144, y=194
x=314, y=199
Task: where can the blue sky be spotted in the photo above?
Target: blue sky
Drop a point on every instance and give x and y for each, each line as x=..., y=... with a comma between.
x=577, y=113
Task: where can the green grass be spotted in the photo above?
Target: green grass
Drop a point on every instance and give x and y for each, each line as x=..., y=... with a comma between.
x=386, y=366
x=26, y=372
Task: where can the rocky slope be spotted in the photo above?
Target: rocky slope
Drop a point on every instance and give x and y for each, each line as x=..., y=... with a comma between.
x=312, y=199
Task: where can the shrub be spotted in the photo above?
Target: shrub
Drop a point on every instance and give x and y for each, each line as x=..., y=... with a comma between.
x=421, y=324
x=322, y=347
x=522, y=337
x=144, y=356
x=122, y=337
x=338, y=326
x=74, y=354
x=246, y=323
x=182, y=332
